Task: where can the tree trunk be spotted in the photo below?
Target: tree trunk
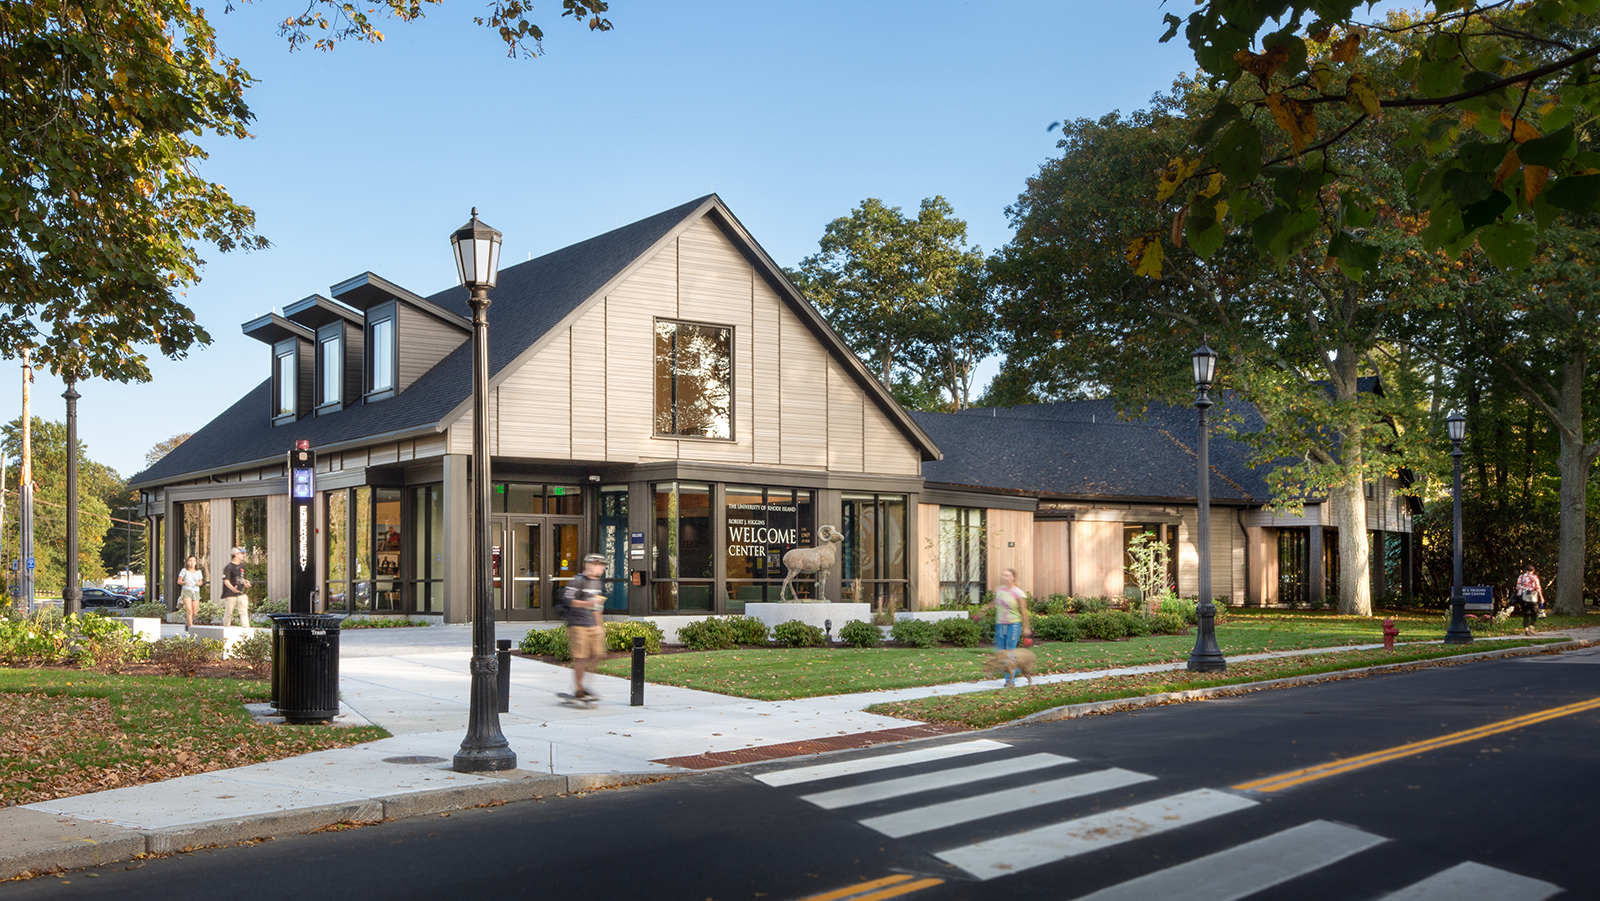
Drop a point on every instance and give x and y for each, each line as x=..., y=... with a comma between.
x=1574, y=464
x=1355, y=552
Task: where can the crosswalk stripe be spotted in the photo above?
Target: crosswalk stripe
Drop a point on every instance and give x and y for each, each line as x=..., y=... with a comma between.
x=1245, y=869
x=883, y=762
x=1478, y=882
x=908, y=785
x=965, y=810
x=1009, y=854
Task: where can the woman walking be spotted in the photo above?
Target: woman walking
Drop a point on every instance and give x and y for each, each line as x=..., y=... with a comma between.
x=1010, y=616
x=190, y=578
x=1530, y=597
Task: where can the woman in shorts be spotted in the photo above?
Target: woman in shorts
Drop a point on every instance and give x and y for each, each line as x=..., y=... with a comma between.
x=190, y=578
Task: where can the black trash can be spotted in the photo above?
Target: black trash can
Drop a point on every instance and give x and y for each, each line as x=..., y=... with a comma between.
x=305, y=666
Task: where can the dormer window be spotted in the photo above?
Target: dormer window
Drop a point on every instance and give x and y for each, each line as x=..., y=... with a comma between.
x=285, y=388
x=381, y=371
x=330, y=368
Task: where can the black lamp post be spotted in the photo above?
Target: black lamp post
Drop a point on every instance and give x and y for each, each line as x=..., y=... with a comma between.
x=477, y=253
x=1458, y=632
x=72, y=593
x=1206, y=656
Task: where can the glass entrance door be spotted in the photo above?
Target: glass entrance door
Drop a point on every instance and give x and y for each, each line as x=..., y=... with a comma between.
x=534, y=557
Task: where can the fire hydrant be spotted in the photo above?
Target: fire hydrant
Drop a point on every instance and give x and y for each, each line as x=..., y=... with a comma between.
x=1390, y=630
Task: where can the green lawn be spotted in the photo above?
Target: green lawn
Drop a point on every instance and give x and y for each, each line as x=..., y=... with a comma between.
x=977, y=710
x=69, y=732
x=783, y=674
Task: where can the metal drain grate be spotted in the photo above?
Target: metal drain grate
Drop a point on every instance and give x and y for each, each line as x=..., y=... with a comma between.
x=414, y=758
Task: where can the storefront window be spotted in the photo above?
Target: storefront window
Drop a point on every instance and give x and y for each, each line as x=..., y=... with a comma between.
x=534, y=499
x=386, y=543
x=194, y=540
x=336, y=547
x=428, y=562
x=694, y=380
x=962, y=554
x=1164, y=533
x=874, y=549
x=762, y=525
x=613, y=544
x=250, y=533
x=682, y=564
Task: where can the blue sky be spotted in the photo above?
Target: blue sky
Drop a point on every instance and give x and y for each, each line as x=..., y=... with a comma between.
x=369, y=156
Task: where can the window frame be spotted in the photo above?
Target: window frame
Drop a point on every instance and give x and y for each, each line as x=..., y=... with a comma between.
x=389, y=315
x=286, y=350
x=655, y=391
x=332, y=333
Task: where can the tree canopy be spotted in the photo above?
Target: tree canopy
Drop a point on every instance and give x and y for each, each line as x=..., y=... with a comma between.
x=99, y=489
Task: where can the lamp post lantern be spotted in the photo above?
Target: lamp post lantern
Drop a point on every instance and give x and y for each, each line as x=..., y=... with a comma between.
x=1458, y=632
x=477, y=253
x=1206, y=656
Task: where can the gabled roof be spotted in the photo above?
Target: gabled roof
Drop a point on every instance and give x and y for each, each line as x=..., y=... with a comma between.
x=530, y=304
x=1083, y=450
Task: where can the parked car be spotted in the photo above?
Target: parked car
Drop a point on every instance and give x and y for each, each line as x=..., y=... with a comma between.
x=100, y=597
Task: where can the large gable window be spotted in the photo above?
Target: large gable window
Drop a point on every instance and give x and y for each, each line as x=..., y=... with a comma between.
x=284, y=383
x=694, y=380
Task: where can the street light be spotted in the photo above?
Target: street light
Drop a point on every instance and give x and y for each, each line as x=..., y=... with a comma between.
x=1206, y=656
x=477, y=252
x=1458, y=632
x=72, y=593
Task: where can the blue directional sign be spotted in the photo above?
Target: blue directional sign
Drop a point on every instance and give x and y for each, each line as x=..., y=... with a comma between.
x=30, y=563
x=1477, y=597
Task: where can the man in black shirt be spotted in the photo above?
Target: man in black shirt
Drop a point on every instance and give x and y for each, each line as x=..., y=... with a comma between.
x=584, y=597
x=234, y=585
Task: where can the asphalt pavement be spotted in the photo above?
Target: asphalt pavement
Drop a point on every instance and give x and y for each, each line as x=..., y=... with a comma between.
x=414, y=684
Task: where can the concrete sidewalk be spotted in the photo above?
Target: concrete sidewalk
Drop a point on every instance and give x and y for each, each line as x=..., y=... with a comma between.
x=414, y=683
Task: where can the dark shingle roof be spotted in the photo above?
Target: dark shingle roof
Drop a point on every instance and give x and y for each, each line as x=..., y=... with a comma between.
x=1082, y=449
x=529, y=299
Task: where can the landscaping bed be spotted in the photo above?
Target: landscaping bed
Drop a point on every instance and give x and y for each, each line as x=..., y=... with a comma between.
x=69, y=732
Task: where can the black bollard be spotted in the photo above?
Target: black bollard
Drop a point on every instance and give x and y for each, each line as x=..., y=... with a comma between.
x=636, y=697
x=503, y=677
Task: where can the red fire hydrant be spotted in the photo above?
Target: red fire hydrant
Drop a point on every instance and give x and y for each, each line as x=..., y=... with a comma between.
x=1390, y=630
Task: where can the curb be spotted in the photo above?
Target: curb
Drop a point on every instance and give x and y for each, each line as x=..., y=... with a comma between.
x=40, y=842
x=1072, y=711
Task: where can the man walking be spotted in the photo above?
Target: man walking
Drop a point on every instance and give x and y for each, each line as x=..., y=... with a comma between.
x=234, y=585
x=584, y=597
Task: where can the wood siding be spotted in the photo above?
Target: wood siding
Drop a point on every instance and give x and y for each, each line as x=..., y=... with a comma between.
x=589, y=393
x=421, y=341
x=1052, y=573
x=1010, y=546
x=928, y=560
x=1097, y=559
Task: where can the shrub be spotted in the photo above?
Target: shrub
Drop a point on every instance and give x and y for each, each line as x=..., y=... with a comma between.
x=1168, y=623
x=748, y=629
x=148, y=609
x=547, y=643
x=180, y=656
x=1056, y=605
x=1106, y=625
x=254, y=651
x=279, y=606
x=859, y=634
x=1090, y=605
x=986, y=621
x=915, y=633
x=209, y=612
x=710, y=634
x=1056, y=627
x=40, y=638
x=99, y=642
x=1134, y=624
x=620, y=636
x=963, y=633
x=377, y=622
x=1182, y=607
x=797, y=634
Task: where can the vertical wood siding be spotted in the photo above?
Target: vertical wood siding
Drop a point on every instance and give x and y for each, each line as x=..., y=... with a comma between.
x=1014, y=527
x=1050, y=558
x=1097, y=559
x=928, y=554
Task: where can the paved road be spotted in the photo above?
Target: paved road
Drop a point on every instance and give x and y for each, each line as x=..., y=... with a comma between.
x=1127, y=806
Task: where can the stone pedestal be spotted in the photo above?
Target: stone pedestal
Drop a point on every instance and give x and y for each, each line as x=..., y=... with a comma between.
x=145, y=628
x=228, y=635
x=811, y=614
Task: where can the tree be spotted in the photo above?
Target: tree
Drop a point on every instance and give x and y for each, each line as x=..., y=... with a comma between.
x=1297, y=334
x=1497, y=143
x=908, y=295
x=97, y=482
x=162, y=448
x=101, y=107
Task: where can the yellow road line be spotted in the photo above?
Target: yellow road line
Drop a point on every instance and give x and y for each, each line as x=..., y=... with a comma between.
x=887, y=887
x=1338, y=767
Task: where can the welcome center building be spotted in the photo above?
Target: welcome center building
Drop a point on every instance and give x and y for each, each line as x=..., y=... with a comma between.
x=662, y=395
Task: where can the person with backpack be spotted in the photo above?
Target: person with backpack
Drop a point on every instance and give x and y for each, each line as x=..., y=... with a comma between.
x=1530, y=597
x=581, y=603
